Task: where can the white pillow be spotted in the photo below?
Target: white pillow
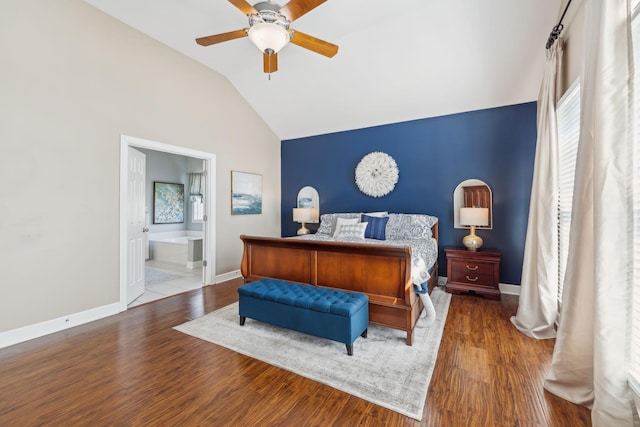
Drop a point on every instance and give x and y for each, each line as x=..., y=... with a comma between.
x=377, y=214
x=352, y=231
x=344, y=221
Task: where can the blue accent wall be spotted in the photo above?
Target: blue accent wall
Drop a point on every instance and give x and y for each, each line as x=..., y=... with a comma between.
x=434, y=155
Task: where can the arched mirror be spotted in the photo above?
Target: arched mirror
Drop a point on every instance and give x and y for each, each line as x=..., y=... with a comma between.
x=308, y=198
x=472, y=193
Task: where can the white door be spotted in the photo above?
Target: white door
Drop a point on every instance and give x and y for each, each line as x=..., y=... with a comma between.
x=136, y=241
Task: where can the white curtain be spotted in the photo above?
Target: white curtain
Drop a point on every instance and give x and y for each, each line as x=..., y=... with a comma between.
x=591, y=355
x=538, y=306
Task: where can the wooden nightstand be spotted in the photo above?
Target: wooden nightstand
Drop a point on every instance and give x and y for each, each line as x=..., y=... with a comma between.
x=475, y=271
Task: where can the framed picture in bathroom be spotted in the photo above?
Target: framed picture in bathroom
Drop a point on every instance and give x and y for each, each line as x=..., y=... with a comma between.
x=168, y=203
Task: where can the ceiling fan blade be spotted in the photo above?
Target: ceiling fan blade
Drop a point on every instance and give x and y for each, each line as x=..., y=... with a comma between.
x=319, y=46
x=296, y=8
x=270, y=63
x=218, y=38
x=244, y=7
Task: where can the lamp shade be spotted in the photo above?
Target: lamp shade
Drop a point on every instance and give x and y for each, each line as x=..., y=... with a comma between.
x=305, y=214
x=474, y=216
x=269, y=36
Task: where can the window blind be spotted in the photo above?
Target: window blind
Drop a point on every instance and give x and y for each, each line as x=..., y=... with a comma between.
x=568, y=118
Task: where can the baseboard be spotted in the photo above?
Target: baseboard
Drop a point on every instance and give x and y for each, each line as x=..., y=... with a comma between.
x=194, y=264
x=508, y=289
x=228, y=276
x=26, y=333
x=505, y=288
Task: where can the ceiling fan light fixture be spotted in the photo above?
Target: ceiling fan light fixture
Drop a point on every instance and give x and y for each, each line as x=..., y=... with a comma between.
x=269, y=29
x=269, y=36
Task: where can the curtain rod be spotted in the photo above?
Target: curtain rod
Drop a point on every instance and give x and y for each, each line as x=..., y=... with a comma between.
x=555, y=33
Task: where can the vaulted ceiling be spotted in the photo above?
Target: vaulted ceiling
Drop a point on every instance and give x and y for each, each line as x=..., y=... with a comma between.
x=397, y=60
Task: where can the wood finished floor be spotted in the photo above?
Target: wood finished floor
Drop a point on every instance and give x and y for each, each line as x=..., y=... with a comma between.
x=133, y=369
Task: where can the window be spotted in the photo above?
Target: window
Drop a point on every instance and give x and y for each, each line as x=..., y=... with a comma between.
x=197, y=209
x=196, y=199
x=568, y=113
x=635, y=179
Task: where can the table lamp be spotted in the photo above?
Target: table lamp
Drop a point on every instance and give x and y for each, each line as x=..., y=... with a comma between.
x=473, y=217
x=303, y=215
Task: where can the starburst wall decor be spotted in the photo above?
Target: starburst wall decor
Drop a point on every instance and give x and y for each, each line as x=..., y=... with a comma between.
x=377, y=174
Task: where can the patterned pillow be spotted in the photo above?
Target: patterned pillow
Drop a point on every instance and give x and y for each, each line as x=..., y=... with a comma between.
x=340, y=222
x=328, y=222
x=352, y=231
x=377, y=227
x=410, y=226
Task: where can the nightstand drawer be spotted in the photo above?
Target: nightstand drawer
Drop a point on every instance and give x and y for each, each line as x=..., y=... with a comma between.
x=471, y=266
x=472, y=278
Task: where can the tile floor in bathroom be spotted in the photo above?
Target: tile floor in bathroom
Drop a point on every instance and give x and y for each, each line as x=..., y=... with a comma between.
x=163, y=279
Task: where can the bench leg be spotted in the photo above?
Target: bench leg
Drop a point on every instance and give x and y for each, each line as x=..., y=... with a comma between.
x=350, y=349
x=364, y=333
x=242, y=319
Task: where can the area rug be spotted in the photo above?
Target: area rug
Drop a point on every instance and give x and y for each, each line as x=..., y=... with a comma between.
x=383, y=369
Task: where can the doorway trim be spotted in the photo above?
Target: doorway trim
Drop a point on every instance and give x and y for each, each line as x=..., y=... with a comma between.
x=127, y=141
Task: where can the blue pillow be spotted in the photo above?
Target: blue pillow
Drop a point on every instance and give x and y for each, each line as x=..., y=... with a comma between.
x=376, y=227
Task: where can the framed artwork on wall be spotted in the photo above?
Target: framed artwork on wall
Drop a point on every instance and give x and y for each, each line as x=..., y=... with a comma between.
x=246, y=193
x=168, y=203
x=308, y=198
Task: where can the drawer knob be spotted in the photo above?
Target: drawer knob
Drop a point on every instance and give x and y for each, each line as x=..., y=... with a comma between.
x=474, y=268
x=472, y=279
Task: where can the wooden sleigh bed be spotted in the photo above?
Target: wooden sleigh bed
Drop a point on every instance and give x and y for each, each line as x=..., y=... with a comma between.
x=383, y=272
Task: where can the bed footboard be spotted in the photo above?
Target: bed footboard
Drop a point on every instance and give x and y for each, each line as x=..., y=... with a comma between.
x=381, y=272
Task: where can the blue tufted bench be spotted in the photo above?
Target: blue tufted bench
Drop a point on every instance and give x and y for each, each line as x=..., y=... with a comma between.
x=327, y=313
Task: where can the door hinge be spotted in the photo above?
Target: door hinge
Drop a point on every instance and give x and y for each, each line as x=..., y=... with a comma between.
x=204, y=218
x=204, y=263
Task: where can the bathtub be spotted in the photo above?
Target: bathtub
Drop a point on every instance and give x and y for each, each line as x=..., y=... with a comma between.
x=178, y=247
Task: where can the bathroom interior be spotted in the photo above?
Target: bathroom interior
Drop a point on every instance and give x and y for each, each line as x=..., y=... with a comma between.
x=174, y=242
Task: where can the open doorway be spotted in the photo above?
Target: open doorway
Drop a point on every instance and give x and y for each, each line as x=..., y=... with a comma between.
x=195, y=271
x=174, y=238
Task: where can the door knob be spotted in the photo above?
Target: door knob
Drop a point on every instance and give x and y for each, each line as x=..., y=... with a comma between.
x=145, y=229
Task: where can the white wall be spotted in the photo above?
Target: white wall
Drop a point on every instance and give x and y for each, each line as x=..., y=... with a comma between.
x=72, y=80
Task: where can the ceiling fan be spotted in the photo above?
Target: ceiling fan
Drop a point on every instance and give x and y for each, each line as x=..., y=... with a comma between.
x=269, y=30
